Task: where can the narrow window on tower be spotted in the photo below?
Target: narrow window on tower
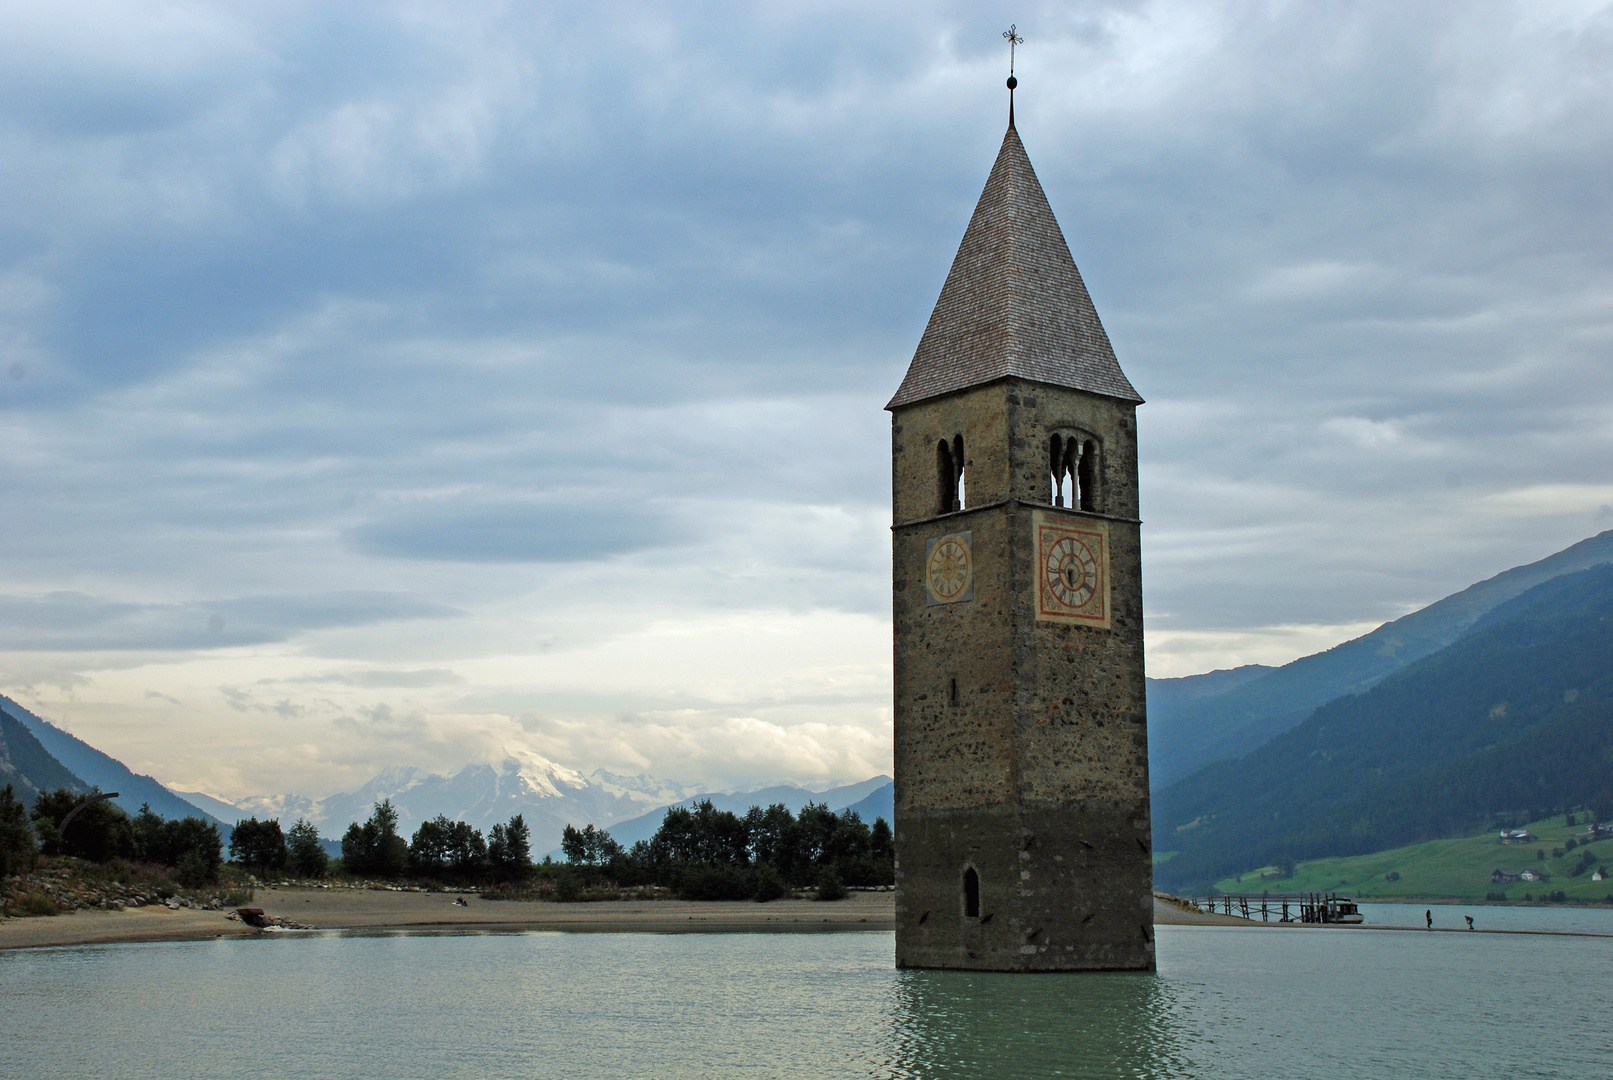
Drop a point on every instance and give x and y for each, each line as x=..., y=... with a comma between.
x=949, y=472
x=958, y=463
x=1088, y=476
x=952, y=692
x=1061, y=454
x=971, y=894
x=1055, y=453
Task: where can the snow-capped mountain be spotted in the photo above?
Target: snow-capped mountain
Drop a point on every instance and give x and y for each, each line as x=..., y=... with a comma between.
x=549, y=795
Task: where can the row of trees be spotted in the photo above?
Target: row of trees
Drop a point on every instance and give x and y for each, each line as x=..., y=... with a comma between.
x=706, y=853
x=102, y=831
x=260, y=846
x=442, y=849
x=702, y=852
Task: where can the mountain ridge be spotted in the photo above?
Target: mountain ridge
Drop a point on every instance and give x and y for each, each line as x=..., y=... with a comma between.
x=1514, y=716
x=1197, y=732
x=97, y=768
x=27, y=766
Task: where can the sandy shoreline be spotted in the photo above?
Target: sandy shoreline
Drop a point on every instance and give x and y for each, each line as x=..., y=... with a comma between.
x=379, y=911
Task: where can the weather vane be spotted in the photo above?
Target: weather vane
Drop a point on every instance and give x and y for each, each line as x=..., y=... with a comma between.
x=1012, y=34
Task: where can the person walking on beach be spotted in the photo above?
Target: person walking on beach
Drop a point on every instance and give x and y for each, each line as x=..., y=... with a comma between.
x=1469, y=919
x=1429, y=914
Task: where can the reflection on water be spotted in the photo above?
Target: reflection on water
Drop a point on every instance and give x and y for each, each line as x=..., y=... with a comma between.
x=1226, y=1003
x=945, y=1024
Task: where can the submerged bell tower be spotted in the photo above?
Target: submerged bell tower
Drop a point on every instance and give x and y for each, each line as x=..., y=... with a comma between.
x=1021, y=745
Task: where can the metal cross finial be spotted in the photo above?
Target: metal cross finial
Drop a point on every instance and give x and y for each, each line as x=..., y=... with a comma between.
x=1012, y=34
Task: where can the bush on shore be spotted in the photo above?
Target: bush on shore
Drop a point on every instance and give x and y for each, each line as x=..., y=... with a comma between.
x=830, y=887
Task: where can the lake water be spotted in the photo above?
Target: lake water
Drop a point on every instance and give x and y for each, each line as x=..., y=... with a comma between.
x=1576, y=920
x=1226, y=1003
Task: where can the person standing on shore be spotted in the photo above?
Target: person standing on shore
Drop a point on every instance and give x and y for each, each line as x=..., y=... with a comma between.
x=1429, y=915
x=1469, y=919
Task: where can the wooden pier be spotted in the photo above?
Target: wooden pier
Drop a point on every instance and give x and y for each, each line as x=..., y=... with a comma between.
x=1329, y=908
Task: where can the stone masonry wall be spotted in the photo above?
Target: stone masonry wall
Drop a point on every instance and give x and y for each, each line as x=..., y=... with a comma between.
x=1036, y=776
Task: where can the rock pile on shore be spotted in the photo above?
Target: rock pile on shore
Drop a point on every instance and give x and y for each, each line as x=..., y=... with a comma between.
x=32, y=894
x=256, y=918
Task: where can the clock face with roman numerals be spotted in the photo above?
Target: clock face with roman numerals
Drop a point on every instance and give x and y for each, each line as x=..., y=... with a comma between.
x=1072, y=563
x=1072, y=571
x=949, y=570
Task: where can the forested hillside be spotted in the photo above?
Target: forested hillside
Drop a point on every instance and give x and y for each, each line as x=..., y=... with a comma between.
x=91, y=766
x=1190, y=733
x=1514, y=719
x=27, y=766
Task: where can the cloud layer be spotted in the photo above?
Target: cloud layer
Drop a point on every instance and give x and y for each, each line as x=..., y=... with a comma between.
x=543, y=350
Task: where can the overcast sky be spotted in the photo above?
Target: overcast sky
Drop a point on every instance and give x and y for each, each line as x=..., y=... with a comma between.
x=403, y=383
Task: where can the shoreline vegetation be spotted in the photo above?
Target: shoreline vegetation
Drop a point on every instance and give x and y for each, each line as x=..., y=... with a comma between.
x=105, y=859
x=118, y=878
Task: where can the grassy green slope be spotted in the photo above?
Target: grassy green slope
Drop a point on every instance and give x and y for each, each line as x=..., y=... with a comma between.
x=1516, y=716
x=1447, y=869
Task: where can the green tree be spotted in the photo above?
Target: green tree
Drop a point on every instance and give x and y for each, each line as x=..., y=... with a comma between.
x=18, y=849
x=509, y=850
x=880, y=843
x=700, y=835
x=190, y=845
x=428, y=851
x=307, y=855
x=775, y=840
x=195, y=847
x=817, y=824
x=100, y=832
x=444, y=848
x=150, y=836
x=375, y=847
x=589, y=846
x=467, y=851
x=258, y=845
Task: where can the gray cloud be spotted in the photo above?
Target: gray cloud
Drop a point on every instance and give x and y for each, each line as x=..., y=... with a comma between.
x=416, y=679
x=67, y=622
x=428, y=302
x=531, y=532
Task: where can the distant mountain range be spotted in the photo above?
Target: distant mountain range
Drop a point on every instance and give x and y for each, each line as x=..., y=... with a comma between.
x=75, y=763
x=36, y=755
x=1202, y=719
x=1495, y=700
x=550, y=797
x=872, y=798
x=1512, y=717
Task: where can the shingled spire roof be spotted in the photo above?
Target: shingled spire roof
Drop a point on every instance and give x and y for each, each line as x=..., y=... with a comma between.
x=1013, y=303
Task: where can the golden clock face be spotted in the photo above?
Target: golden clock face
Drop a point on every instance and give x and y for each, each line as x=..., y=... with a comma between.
x=949, y=574
x=1072, y=561
x=1072, y=571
